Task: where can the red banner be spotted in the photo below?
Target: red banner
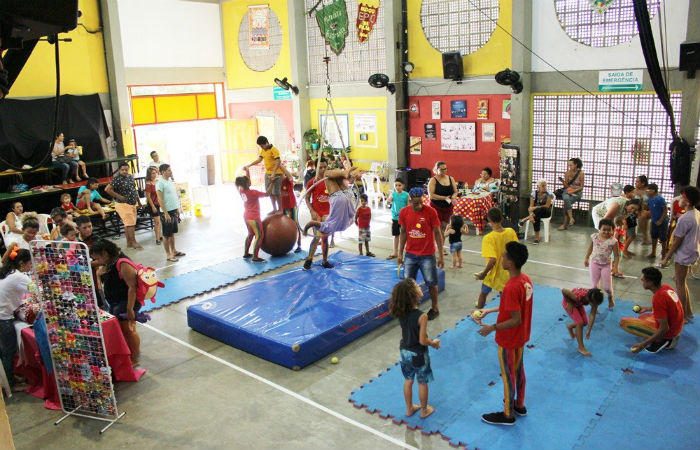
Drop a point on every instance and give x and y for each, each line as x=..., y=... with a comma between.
x=367, y=13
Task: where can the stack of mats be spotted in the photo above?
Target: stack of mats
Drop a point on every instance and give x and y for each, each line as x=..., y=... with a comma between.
x=613, y=400
x=297, y=317
x=212, y=277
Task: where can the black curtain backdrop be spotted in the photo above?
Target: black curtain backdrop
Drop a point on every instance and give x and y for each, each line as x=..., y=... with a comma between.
x=26, y=128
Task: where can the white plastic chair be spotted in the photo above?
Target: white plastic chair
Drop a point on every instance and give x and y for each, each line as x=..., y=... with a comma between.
x=545, y=224
x=372, y=186
x=45, y=223
x=4, y=229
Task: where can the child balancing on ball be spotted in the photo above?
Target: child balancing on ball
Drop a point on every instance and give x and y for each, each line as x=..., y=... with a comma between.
x=251, y=215
x=415, y=361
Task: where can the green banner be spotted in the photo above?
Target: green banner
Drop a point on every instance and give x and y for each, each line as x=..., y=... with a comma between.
x=333, y=21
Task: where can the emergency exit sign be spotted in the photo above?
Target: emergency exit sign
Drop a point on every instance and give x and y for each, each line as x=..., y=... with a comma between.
x=620, y=80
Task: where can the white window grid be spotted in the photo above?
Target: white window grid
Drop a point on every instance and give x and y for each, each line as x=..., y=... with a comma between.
x=357, y=61
x=260, y=59
x=587, y=26
x=459, y=25
x=603, y=131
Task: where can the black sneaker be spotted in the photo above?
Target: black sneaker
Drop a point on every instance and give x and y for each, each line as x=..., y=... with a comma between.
x=432, y=314
x=522, y=412
x=307, y=264
x=656, y=347
x=498, y=418
x=327, y=265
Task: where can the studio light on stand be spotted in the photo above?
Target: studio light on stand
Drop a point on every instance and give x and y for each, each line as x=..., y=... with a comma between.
x=286, y=85
x=380, y=80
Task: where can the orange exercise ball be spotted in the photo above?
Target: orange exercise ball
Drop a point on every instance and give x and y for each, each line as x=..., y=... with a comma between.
x=280, y=234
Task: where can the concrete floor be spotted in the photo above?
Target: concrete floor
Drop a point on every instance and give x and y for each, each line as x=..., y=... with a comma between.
x=190, y=400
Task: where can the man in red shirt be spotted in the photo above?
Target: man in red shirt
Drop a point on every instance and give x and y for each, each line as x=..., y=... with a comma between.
x=420, y=229
x=660, y=325
x=512, y=329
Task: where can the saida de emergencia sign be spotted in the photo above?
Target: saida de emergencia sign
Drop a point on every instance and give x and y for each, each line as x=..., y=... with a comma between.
x=620, y=80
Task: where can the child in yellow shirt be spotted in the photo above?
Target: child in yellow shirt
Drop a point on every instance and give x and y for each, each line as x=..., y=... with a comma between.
x=493, y=245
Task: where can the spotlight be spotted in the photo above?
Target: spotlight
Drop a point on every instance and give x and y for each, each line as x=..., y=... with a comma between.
x=408, y=67
x=286, y=85
x=380, y=80
x=510, y=78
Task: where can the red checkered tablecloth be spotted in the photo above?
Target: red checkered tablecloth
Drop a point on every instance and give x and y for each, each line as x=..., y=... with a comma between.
x=471, y=208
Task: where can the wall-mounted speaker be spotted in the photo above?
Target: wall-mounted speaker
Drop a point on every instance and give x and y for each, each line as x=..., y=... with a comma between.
x=690, y=56
x=452, y=66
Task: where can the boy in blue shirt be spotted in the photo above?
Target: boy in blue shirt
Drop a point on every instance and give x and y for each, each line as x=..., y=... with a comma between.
x=398, y=199
x=659, y=220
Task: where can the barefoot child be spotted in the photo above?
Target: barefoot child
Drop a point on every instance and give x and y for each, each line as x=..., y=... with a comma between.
x=659, y=221
x=453, y=233
x=603, y=244
x=619, y=233
x=494, y=276
x=288, y=203
x=92, y=207
x=415, y=360
x=363, y=216
x=251, y=216
x=67, y=204
x=574, y=302
x=398, y=200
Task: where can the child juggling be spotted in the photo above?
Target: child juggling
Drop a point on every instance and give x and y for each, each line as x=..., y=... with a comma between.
x=453, y=233
x=363, y=216
x=574, y=302
x=603, y=244
x=415, y=360
x=398, y=200
x=251, y=216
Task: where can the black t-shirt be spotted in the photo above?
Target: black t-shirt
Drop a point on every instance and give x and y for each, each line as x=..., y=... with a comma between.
x=126, y=187
x=410, y=332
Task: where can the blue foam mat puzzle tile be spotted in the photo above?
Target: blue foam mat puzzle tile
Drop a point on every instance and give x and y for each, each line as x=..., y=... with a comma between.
x=570, y=398
x=297, y=317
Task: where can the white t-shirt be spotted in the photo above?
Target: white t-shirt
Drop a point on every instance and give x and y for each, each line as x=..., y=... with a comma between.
x=12, y=290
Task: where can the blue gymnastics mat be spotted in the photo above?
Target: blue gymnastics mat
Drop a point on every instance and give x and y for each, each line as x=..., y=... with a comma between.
x=297, y=317
x=218, y=275
x=614, y=400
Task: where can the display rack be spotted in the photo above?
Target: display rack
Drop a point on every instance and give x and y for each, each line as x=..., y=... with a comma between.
x=509, y=191
x=72, y=318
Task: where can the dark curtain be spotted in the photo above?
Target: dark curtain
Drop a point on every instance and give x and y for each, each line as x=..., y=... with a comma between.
x=26, y=128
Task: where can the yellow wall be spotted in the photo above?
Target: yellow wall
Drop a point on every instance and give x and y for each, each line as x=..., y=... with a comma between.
x=352, y=107
x=493, y=57
x=83, y=67
x=238, y=75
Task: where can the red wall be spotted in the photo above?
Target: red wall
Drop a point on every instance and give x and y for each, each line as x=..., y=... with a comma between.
x=462, y=165
x=247, y=111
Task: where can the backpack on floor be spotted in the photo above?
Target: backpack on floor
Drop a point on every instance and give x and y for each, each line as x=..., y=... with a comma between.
x=146, y=280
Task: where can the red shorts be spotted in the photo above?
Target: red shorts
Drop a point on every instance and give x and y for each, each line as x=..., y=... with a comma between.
x=578, y=314
x=444, y=214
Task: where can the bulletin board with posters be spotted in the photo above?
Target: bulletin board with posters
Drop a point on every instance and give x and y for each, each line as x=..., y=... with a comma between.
x=458, y=136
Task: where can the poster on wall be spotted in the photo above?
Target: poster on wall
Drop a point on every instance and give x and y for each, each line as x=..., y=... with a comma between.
x=365, y=129
x=414, y=109
x=458, y=136
x=430, y=132
x=415, y=145
x=488, y=132
x=458, y=109
x=367, y=13
x=330, y=130
x=482, y=109
x=506, y=109
x=436, y=110
x=259, y=27
x=333, y=21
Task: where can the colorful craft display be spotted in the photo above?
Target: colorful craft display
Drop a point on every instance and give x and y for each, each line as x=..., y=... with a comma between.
x=65, y=289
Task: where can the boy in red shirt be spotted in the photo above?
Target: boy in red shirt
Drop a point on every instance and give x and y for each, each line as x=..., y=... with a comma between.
x=512, y=329
x=363, y=216
x=251, y=215
x=660, y=325
x=420, y=230
x=288, y=203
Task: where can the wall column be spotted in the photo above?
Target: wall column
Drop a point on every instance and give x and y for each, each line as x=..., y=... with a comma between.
x=299, y=75
x=690, y=114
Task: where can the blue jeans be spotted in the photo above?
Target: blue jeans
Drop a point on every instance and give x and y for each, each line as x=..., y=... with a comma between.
x=570, y=199
x=8, y=348
x=426, y=264
x=65, y=168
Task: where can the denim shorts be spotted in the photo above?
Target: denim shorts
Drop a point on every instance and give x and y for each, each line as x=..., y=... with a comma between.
x=486, y=289
x=660, y=232
x=424, y=374
x=455, y=247
x=426, y=264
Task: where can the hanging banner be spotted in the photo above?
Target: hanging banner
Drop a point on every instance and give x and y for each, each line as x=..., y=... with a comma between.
x=600, y=6
x=333, y=21
x=367, y=13
x=259, y=27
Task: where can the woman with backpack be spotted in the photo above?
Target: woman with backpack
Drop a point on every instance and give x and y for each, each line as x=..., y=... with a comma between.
x=119, y=281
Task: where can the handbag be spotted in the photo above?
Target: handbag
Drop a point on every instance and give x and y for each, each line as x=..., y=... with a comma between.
x=559, y=193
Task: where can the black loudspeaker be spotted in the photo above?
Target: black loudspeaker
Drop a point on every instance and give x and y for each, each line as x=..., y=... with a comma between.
x=452, y=66
x=690, y=56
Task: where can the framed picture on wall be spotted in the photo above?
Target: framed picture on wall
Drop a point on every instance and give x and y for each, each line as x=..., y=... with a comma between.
x=458, y=109
x=331, y=130
x=488, y=132
x=482, y=109
x=414, y=109
x=430, y=132
x=458, y=136
x=415, y=145
x=436, y=110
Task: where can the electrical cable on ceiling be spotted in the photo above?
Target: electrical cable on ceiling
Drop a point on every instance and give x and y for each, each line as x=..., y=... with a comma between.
x=95, y=31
